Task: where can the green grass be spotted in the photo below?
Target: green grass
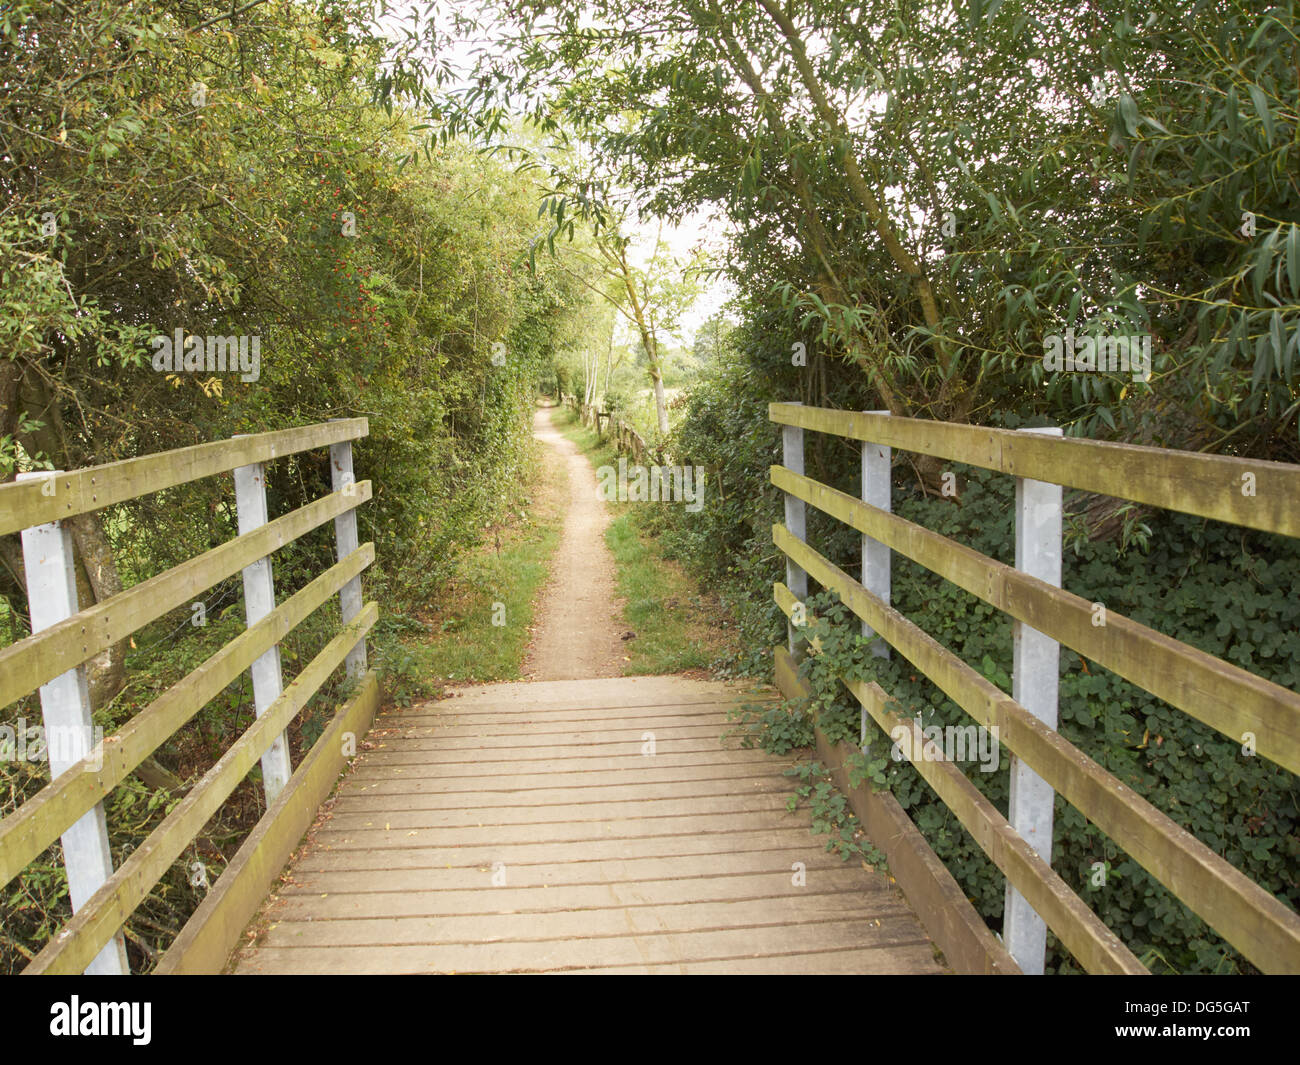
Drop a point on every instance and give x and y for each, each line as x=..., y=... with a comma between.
x=460, y=643
x=677, y=628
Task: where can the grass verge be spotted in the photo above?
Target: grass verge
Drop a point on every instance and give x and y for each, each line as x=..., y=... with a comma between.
x=478, y=631
x=679, y=628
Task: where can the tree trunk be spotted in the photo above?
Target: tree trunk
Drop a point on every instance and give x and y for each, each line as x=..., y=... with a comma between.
x=96, y=570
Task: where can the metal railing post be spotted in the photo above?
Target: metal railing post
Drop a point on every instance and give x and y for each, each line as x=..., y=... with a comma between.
x=48, y=564
x=347, y=541
x=259, y=600
x=796, y=522
x=876, y=462
x=1034, y=685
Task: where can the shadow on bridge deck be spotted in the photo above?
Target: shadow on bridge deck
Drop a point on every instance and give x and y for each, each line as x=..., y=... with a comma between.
x=526, y=828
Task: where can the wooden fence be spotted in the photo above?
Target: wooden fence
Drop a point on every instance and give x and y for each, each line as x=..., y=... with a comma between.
x=1246, y=708
x=64, y=637
x=626, y=439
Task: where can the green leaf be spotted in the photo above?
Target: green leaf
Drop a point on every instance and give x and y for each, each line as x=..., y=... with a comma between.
x=1261, y=108
x=1128, y=113
x=1293, y=260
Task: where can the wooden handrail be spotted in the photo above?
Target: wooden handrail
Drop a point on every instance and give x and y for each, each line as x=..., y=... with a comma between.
x=1255, y=493
x=29, y=663
x=36, y=824
x=108, y=909
x=53, y=652
x=1252, y=920
x=1082, y=932
x=65, y=495
x=1223, y=696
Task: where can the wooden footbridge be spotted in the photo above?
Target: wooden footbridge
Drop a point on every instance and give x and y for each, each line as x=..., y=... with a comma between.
x=608, y=825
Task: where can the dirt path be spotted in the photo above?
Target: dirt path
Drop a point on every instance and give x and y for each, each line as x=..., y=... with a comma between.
x=579, y=622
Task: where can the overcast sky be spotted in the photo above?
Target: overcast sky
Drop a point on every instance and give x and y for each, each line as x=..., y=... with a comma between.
x=695, y=230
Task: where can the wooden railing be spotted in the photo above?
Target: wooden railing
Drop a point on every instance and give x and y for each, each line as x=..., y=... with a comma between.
x=64, y=637
x=626, y=439
x=1256, y=494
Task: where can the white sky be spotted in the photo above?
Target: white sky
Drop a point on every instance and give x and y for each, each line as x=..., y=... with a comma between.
x=695, y=230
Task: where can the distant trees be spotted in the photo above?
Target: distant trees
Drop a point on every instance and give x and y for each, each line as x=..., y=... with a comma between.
x=185, y=167
x=930, y=189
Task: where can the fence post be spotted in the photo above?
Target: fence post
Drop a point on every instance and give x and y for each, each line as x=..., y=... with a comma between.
x=259, y=600
x=48, y=564
x=876, y=461
x=796, y=522
x=1034, y=683
x=345, y=537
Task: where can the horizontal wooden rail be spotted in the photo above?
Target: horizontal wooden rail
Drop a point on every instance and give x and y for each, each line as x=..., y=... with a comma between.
x=217, y=926
x=29, y=663
x=37, y=501
x=1255, y=922
x=43, y=818
x=1082, y=932
x=109, y=908
x=1208, y=486
x=1222, y=695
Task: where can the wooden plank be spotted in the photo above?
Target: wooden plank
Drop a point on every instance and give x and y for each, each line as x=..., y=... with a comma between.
x=577, y=855
x=524, y=756
x=1208, y=486
x=213, y=930
x=29, y=663
x=712, y=945
x=787, y=908
x=943, y=908
x=1221, y=695
x=379, y=837
x=648, y=862
x=413, y=779
x=466, y=882
x=871, y=961
x=633, y=764
x=401, y=815
x=110, y=907
x=654, y=792
x=25, y=833
x=35, y=502
x=594, y=694
x=449, y=739
x=484, y=899
x=557, y=720
x=1259, y=925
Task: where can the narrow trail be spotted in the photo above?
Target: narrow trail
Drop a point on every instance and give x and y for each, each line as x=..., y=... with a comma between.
x=576, y=633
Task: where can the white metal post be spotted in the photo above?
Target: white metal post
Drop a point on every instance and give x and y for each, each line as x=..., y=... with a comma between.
x=345, y=536
x=876, y=461
x=259, y=600
x=1034, y=683
x=49, y=563
x=796, y=522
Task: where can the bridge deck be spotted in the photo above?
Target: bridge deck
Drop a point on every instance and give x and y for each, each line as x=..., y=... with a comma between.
x=520, y=828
